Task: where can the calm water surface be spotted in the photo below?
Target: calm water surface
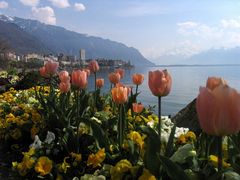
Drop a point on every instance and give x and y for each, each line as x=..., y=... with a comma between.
x=186, y=83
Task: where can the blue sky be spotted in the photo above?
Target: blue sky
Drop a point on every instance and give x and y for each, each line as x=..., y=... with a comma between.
x=154, y=27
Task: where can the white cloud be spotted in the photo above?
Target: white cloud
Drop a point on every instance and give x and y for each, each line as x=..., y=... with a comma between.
x=79, y=7
x=142, y=9
x=187, y=24
x=60, y=3
x=44, y=14
x=30, y=2
x=191, y=28
x=231, y=23
x=3, y=5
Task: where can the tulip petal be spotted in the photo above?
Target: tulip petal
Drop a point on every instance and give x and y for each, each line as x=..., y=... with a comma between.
x=207, y=110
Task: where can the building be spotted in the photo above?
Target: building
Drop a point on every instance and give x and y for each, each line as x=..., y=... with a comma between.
x=82, y=56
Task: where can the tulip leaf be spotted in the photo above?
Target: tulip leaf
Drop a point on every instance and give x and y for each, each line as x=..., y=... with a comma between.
x=99, y=134
x=173, y=170
x=169, y=148
x=151, y=159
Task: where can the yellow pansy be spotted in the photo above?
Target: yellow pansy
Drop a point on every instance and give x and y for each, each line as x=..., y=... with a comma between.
x=119, y=169
x=96, y=159
x=64, y=166
x=214, y=160
x=181, y=139
x=76, y=157
x=137, y=138
x=43, y=166
x=190, y=136
x=146, y=175
x=30, y=152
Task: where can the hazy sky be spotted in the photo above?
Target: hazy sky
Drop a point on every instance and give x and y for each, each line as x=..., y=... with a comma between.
x=154, y=27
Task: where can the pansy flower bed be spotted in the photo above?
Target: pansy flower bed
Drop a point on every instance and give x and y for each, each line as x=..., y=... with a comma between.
x=59, y=130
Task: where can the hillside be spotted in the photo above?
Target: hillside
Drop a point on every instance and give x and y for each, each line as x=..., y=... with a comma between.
x=39, y=37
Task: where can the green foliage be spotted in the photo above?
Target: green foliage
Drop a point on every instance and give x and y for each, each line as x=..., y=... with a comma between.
x=151, y=160
x=173, y=170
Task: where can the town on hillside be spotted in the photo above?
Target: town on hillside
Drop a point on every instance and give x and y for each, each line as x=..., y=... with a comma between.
x=35, y=60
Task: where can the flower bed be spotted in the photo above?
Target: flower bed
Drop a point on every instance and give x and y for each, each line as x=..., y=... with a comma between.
x=59, y=130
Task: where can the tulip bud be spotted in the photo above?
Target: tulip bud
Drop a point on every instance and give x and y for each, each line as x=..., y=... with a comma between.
x=119, y=95
x=51, y=67
x=137, y=79
x=87, y=71
x=160, y=82
x=93, y=66
x=114, y=78
x=79, y=79
x=121, y=72
x=64, y=76
x=137, y=108
x=213, y=82
x=43, y=72
x=100, y=83
x=218, y=109
x=64, y=87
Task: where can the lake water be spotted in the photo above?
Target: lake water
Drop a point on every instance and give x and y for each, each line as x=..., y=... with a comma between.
x=185, y=87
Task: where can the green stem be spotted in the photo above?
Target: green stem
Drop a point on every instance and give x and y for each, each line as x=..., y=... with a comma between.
x=78, y=120
x=95, y=98
x=220, y=158
x=120, y=126
x=136, y=89
x=159, y=119
x=95, y=76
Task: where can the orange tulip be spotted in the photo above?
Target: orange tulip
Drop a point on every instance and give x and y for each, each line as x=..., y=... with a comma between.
x=213, y=82
x=137, y=108
x=79, y=79
x=93, y=66
x=64, y=76
x=51, y=67
x=159, y=82
x=219, y=110
x=120, y=71
x=137, y=79
x=129, y=89
x=119, y=94
x=100, y=83
x=64, y=87
x=114, y=78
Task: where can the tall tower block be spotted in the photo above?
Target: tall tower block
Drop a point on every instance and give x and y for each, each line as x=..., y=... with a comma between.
x=82, y=56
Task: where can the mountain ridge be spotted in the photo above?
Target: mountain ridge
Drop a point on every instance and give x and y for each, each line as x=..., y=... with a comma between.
x=57, y=40
x=213, y=56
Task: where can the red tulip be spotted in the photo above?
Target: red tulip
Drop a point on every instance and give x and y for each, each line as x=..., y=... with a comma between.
x=64, y=87
x=120, y=71
x=51, y=67
x=64, y=76
x=100, y=83
x=79, y=79
x=137, y=108
x=87, y=71
x=219, y=110
x=119, y=95
x=93, y=66
x=43, y=72
x=137, y=79
x=213, y=82
x=114, y=78
x=159, y=82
